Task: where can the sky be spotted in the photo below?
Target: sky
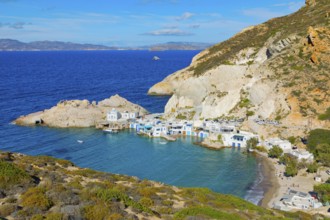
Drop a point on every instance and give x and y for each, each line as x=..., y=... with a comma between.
x=135, y=22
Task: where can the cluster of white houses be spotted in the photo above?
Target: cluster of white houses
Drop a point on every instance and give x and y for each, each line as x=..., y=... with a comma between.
x=293, y=200
x=115, y=116
x=153, y=126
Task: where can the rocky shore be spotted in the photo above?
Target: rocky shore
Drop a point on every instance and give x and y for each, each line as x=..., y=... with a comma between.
x=79, y=113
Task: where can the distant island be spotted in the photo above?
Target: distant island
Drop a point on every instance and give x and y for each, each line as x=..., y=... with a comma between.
x=15, y=45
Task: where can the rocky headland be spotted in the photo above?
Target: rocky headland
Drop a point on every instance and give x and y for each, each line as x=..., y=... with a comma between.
x=277, y=71
x=79, y=113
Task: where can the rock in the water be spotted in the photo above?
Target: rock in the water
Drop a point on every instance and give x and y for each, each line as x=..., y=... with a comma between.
x=79, y=113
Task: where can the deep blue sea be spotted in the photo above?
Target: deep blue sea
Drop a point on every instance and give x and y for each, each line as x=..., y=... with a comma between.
x=34, y=81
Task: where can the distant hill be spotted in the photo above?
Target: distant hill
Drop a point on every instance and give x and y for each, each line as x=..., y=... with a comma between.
x=15, y=45
x=180, y=46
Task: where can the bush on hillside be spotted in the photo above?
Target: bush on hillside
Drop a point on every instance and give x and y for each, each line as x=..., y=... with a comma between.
x=11, y=175
x=275, y=152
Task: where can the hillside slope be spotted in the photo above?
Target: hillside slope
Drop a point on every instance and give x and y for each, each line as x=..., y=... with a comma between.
x=278, y=70
x=47, y=188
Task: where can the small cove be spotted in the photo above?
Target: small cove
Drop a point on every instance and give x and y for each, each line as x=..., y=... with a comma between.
x=34, y=81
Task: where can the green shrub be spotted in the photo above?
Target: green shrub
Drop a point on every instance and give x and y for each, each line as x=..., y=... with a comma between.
x=146, y=202
x=7, y=209
x=326, y=115
x=318, y=143
x=36, y=198
x=202, y=211
x=292, y=139
x=291, y=170
x=323, y=191
x=312, y=168
x=37, y=217
x=54, y=216
x=108, y=195
x=298, y=68
x=252, y=143
x=249, y=113
x=147, y=191
x=181, y=117
x=316, y=137
x=244, y=103
x=92, y=212
x=275, y=152
x=261, y=149
x=167, y=202
x=11, y=175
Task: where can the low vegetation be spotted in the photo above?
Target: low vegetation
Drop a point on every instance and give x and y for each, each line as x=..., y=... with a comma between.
x=326, y=115
x=275, y=152
x=319, y=145
x=63, y=191
x=278, y=28
x=10, y=175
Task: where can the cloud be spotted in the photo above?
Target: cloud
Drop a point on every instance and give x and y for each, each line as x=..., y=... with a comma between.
x=194, y=26
x=184, y=16
x=15, y=25
x=18, y=25
x=168, y=32
x=262, y=13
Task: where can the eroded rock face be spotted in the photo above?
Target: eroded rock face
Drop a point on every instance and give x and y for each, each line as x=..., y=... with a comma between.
x=310, y=2
x=79, y=113
x=258, y=73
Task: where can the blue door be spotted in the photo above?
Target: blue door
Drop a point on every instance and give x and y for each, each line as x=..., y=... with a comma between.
x=233, y=145
x=239, y=145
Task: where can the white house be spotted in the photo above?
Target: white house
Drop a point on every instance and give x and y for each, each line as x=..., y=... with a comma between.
x=113, y=115
x=176, y=128
x=303, y=154
x=283, y=144
x=159, y=130
x=133, y=115
x=237, y=139
x=125, y=115
x=188, y=129
x=297, y=200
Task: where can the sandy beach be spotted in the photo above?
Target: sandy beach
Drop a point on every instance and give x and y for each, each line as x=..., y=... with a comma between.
x=276, y=184
x=270, y=183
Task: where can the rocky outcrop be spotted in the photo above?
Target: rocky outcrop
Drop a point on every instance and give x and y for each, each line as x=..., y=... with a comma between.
x=79, y=113
x=257, y=73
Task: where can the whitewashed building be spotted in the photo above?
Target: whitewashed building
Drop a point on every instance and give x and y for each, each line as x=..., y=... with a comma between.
x=113, y=115
x=188, y=129
x=237, y=139
x=159, y=130
x=133, y=115
x=297, y=200
x=302, y=154
x=283, y=144
x=125, y=115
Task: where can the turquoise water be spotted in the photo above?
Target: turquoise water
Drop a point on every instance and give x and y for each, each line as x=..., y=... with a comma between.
x=179, y=163
x=34, y=81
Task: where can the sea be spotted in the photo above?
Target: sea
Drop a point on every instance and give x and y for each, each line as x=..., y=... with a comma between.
x=37, y=80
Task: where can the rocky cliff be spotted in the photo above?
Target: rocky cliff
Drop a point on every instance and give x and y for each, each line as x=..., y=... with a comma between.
x=278, y=70
x=79, y=113
x=47, y=188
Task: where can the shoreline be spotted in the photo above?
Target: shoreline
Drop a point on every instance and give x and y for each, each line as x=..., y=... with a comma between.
x=270, y=183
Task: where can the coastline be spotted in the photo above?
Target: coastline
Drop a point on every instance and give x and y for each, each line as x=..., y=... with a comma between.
x=270, y=183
